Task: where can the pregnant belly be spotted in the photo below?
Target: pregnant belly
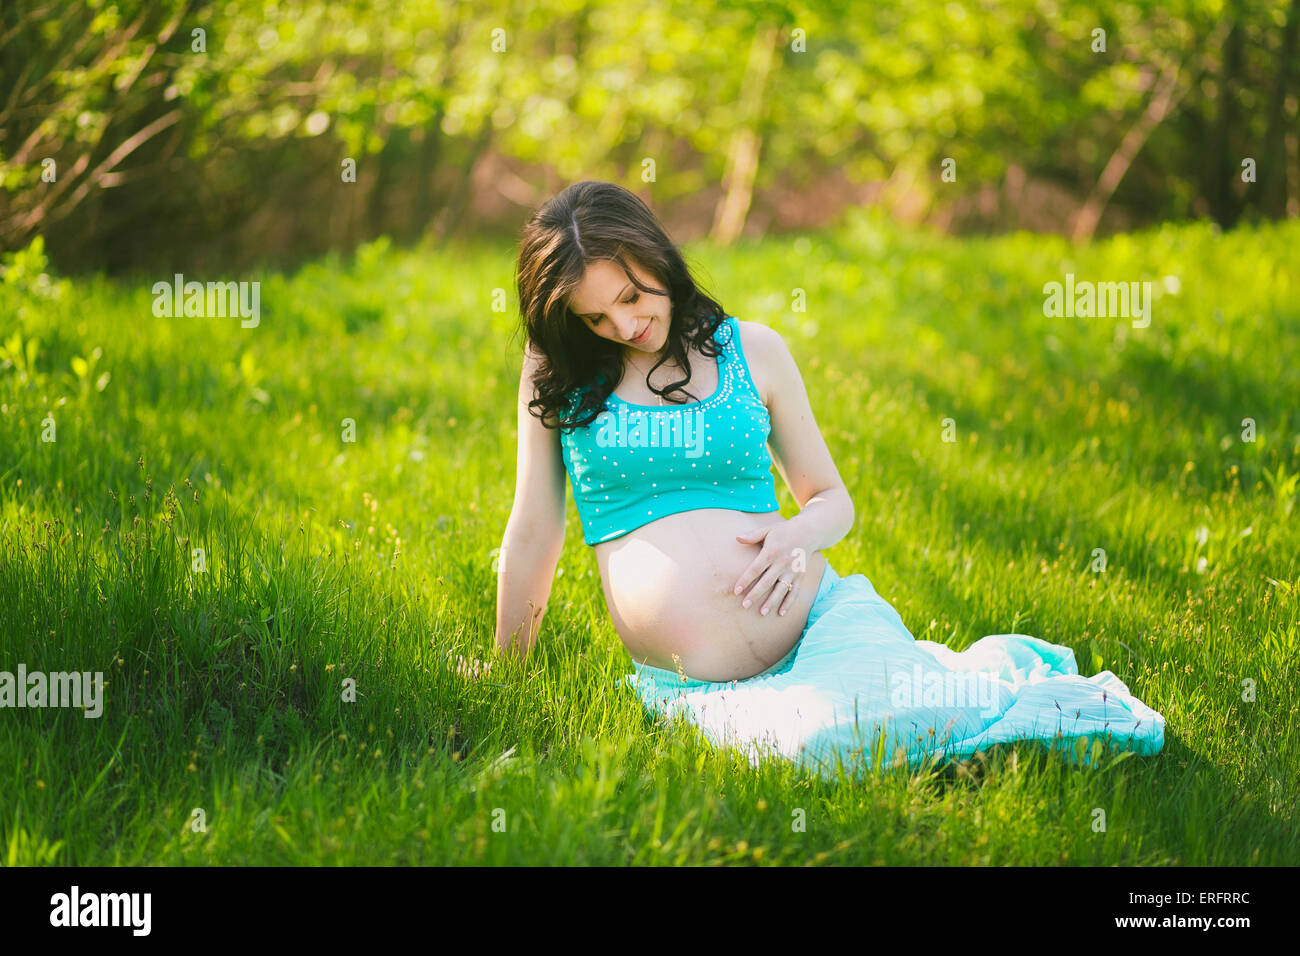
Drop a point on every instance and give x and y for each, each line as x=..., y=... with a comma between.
x=668, y=586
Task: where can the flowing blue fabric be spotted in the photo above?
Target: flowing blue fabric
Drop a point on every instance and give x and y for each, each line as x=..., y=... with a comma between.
x=857, y=690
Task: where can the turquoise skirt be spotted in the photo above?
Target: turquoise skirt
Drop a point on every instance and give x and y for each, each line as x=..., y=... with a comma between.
x=857, y=690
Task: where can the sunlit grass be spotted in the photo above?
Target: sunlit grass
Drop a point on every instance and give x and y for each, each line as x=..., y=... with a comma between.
x=371, y=560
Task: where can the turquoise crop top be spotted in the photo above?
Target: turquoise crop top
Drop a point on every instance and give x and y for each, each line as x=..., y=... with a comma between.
x=636, y=463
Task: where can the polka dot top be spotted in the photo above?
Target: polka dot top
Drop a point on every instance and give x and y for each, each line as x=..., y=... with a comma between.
x=636, y=463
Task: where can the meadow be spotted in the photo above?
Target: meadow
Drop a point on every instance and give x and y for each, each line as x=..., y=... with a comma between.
x=235, y=524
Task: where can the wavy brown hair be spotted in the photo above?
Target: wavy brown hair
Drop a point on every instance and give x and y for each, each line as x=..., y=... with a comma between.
x=588, y=222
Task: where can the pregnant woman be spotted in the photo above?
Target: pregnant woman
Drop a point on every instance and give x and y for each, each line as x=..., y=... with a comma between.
x=667, y=415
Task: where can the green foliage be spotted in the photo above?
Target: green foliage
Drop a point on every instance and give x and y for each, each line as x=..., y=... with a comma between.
x=244, y=112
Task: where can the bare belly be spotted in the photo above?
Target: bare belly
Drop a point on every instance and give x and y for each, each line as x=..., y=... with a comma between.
x=668, y=586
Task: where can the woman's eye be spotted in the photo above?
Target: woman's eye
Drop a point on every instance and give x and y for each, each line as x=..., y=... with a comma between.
x=594, y=321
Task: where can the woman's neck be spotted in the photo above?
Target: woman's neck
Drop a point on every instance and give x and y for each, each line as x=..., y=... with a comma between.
x=644, y=362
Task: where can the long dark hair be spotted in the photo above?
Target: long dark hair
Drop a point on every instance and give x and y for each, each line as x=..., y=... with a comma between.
x=588, y=222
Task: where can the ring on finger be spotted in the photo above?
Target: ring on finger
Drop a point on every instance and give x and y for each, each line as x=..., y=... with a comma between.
x=788, y=601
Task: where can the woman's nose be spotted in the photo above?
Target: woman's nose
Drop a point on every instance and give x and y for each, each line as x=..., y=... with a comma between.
x=627, y=327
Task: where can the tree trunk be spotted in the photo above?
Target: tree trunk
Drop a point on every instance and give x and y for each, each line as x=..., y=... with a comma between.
x=426, y=166
x=746, y=143
x=385, y=163
x=1161, y=104
x=452, y=218
x=423, y=204
x=1225, y=207
x=1272, y=163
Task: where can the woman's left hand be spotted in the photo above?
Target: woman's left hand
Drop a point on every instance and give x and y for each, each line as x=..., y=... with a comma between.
x=778, y=569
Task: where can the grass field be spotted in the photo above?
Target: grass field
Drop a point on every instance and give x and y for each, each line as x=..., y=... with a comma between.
x=327, y=559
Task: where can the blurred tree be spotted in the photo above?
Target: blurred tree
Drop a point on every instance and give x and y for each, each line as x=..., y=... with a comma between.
x=216, y=130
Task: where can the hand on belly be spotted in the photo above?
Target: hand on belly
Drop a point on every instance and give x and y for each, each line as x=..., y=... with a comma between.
x=668, y=586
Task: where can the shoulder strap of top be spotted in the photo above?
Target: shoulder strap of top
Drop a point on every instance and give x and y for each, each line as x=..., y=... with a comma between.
x=726, y=331
x=736, y=351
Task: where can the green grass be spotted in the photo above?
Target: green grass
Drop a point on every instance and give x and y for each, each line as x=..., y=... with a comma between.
x=373, y=561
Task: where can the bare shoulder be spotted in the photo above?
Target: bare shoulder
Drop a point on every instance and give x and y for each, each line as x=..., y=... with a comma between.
x=533, y=363
x=532, y=355
x=768, y=357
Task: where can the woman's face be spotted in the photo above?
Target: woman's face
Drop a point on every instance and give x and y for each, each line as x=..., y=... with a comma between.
x=615, y=309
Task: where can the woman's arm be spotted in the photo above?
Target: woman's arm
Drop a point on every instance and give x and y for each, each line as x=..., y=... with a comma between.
x=799, y=450
x=534, y=536
x=804, y=462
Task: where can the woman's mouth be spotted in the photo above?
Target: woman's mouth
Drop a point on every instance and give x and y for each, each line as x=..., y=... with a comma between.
x=640, y=339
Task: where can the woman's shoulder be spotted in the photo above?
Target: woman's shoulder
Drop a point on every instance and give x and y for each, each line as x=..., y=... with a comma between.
x=757, y=340
x=765, y=353
x=756, y=332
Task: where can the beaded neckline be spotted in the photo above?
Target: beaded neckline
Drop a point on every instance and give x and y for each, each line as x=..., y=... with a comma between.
x=722, y=391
